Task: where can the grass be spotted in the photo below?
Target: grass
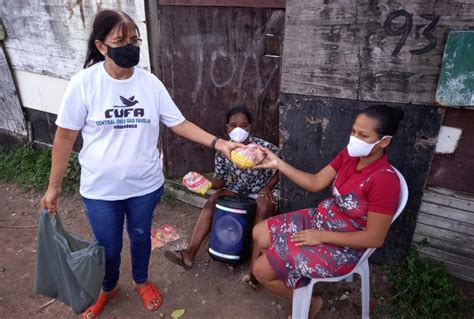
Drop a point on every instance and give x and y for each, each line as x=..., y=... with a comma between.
x=422, y=289
x=30, y=167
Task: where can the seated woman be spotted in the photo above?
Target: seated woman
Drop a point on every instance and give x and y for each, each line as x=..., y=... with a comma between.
x=229, y=180
x=329, y=240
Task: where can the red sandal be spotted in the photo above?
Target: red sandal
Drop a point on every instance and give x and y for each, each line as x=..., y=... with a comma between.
x=95, y=310
x=148, y=294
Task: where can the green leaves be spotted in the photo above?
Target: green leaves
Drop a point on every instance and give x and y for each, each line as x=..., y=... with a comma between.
x=178, y=313
x=30, y=168
x=422, y=289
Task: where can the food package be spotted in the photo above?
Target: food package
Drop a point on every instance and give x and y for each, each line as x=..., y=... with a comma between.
x=248, y=156
x=162, y=235
x=196, y=183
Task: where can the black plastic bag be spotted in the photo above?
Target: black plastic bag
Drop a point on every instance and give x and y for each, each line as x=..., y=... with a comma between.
x=68, y=268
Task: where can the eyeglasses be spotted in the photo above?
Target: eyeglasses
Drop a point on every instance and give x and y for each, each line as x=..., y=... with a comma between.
x=121, y=42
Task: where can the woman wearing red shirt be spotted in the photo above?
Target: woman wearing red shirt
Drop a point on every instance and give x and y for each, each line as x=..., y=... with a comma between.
x=329, y=240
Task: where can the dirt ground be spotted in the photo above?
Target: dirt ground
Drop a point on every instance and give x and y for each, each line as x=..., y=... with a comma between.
x=209, y=290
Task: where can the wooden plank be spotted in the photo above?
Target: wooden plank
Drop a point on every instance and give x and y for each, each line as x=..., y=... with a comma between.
x=50, y=37
x=196, y=201
x=448, y=256
x=449, y=198
x=12, y=118
x=406, y=76
x=444, y=223
x=320, y=49
x=454, y=269
x=212, y=59
x=455, y=171
x=456, y=82
x=344, y=49
x=153, y=28
x=448, y=213
x=226, y=3
x=459, y=248
x=453, y=237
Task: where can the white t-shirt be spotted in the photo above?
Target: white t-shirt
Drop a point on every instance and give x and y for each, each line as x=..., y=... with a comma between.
x=120, y=122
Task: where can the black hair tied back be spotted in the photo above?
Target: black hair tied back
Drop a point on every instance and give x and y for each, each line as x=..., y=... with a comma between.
x=389, y=118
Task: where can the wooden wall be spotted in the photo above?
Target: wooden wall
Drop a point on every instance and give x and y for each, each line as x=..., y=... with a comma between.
x=343, y=48
x=45, y=45
x=11, y=119
x=314, y=129
x=445, y=230
x=214, y=58
x=50, y=37
x=340, y=56
x=455, y=171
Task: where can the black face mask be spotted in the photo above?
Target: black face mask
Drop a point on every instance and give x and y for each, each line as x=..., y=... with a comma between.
x=126, y=56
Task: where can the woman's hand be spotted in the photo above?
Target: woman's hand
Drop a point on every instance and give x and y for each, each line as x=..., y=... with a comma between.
x=307, y=237
x=271, y=161
x=225, y=147
x=50, y=200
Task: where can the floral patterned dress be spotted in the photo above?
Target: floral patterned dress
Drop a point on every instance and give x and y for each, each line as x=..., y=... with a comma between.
x=375, y=188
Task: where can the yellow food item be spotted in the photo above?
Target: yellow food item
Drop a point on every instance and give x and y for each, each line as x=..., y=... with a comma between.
x=240, y=160
x=196, y=183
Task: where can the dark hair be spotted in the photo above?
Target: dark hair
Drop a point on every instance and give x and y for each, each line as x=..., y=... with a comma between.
x=241, y=109
x=104, y=22
x=388, y=118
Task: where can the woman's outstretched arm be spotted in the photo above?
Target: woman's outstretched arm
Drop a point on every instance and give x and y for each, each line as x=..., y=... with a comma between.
x=310, y=181
x=196, y=134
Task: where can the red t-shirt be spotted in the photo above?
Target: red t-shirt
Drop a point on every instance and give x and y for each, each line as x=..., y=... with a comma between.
x=377, y=184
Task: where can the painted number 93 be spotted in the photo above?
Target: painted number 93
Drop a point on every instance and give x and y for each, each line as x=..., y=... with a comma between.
x=405, y=30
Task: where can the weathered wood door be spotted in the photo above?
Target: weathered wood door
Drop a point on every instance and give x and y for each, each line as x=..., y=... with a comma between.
x=12, y=120
x=213, y=58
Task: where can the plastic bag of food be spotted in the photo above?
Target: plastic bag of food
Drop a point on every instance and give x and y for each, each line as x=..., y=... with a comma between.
x=68, y=267
x=248, y=156
x=196, y=183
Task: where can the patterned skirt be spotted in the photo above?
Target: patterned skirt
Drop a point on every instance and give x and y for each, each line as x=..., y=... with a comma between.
x=297, y=265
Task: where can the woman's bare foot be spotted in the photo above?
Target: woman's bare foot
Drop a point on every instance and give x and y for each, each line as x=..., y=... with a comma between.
x=180, y=257
x=316, y=305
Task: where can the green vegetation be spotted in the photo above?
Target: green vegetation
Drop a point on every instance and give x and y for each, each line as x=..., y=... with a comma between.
x=30, y=167
x=422, y=289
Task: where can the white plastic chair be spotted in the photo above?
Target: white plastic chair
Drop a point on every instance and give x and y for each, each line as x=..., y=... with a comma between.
x=302, y=296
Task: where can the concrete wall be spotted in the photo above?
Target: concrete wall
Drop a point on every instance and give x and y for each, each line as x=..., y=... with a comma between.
x=46, y=44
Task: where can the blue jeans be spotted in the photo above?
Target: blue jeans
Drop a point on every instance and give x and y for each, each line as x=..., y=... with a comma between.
x=107, y=220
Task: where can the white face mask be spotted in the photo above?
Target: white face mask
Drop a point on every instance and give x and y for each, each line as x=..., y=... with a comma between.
x=359, y=148
x=238, y=135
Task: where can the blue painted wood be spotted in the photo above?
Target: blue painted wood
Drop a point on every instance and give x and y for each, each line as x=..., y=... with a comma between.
x=456, y=82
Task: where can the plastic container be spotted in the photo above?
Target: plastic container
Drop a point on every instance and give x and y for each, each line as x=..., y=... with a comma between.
x=231, y=232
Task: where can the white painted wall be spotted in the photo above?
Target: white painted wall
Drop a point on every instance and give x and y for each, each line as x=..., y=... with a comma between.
x=46, y=44
x=40, y=92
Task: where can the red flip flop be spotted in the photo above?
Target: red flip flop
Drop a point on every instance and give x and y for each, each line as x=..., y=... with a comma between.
x=148, y=293
x=95, y=310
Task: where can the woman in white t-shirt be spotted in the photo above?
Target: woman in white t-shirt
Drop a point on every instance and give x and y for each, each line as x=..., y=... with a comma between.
x=118, y=109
